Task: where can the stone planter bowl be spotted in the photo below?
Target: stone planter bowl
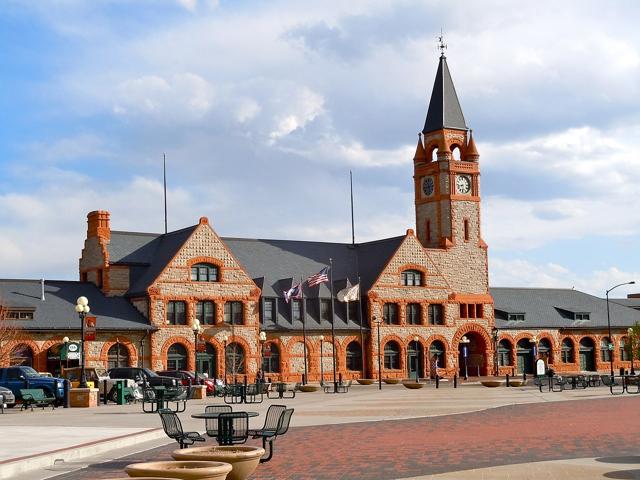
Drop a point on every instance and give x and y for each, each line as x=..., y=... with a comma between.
x=517, y=383
x=366, y=381
x=309, y=387
x=183, y=470
x=244, y=459
x=492, y=383
x=141, y=478
x=412, y=385
x=391, y=381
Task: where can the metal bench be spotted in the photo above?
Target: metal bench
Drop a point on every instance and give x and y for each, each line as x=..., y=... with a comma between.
x=211, y=424
x=37, y=397
x=269, y=434
x=282, y=390
x=233, y=428
x=173, y=428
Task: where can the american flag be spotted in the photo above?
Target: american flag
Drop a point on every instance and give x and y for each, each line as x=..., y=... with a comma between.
x=318, y=278
x=293, y=292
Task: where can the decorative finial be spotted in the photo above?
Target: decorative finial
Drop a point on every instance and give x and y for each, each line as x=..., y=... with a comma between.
x=441, y=45
x=419, y=135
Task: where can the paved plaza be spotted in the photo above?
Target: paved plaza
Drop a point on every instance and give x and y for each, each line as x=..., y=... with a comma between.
x=469, y=432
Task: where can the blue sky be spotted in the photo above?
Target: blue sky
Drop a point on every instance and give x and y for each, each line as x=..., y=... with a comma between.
x=264, y=107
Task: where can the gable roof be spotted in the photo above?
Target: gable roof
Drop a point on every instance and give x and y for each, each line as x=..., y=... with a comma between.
x=444, y=107
x=554, y=308
x=57, y=312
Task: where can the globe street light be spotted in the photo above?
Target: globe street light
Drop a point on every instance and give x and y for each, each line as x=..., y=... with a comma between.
x=82, y=308
x=262, y=338
x=197, y=330
x=631, y=345
x=465, y=342
x=609, y=324
x=378, y=321
x=417, y=346
x=321, y=364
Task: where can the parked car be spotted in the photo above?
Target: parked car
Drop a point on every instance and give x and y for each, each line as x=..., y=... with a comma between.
x=7, y=397
x=142, y=376
x=19, y=376
x=188, y=378
x=98, y=376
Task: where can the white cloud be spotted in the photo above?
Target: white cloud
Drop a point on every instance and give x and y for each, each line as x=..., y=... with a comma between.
x=298, y=109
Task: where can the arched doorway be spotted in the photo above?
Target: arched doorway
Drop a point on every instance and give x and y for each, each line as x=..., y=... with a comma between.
x=117, y=356
x=544, y=350
x=524, y=356
x=415, y=360
x=472, y=355
x=177, y=357
x=354, y=356
x=21, y=355
x=437, y=357
x=207, y=361
x=54, y=361
x=235, y=360
x=271, y=358
x=587, y=355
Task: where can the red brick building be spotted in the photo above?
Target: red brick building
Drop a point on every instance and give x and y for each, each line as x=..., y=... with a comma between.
x=426, y=293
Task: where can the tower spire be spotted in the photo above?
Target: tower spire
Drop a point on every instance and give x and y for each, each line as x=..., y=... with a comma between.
x=444, y=107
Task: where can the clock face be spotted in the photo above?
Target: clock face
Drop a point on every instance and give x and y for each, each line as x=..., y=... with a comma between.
x=463, y=184
x=428, y=186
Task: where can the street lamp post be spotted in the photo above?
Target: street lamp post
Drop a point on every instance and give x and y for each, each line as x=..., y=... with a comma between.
x=534, y=340
x=225, y=339
x=631, y=345
x=82, y=308
x=378, y=321
x=465, y=342
x=66, y=354
x=609, y=324
x=196, y=331
x=417, y=346
x=321, y=360
x=494, y=336
x=262, y=338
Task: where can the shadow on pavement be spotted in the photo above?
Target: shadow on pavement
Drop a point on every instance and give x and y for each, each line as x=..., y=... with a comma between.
x=633, y=459
x=623, y=474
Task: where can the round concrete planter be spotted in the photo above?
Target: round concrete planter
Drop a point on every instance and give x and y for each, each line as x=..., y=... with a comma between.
x=391, y=381
x=184, y=470
x=412, y=384
x=141, y=478
x=244, y=459
x=517, y=383
x=492, y=383
x=309, y=387
x=365, y=381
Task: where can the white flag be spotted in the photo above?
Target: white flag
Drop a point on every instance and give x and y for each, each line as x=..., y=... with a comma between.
x=349, y=294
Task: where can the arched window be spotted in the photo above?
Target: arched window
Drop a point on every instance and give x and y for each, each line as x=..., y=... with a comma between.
x=413, y=314
x=271, y=358
x=437, y=354
x=455, y=152
x=392, y=356
x=504, y=353
x=204, y=272
x=544, y=349
x=567, y=351
x=412, y=278
x=117, y=356
x=177, y=357
x=354, y=356
x=21, y=355
x=434, y=154
x=624, y=349
x=605, y=353
x=235, y=359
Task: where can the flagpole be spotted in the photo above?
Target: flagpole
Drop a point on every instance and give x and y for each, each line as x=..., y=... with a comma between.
x=164, y=180
x=353, y=230
x=304, y=332
x=333, y=330
x=361, y=331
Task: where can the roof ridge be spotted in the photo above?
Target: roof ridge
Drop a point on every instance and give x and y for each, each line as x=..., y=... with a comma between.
x=38, y=280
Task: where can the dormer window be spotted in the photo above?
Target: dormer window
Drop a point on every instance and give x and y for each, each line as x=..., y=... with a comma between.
x=582, y=316
x=22, y=314
x=204, y=272
x=412, y=278
x=516, y=317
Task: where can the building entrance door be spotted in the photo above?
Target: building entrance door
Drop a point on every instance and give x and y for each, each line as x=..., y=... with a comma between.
x=414, y=360
x=207, y=361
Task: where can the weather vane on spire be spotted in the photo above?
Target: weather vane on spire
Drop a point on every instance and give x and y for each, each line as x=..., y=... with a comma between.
x=441, y=45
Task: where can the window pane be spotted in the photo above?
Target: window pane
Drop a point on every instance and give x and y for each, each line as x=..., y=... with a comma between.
x=268, y=310
x=296, y=306
x=209, y=313
x=325, y=309
x=194, y=274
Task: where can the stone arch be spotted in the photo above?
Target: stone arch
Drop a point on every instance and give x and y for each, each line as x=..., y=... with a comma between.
x=456, y=151
x=128, y=344
x=35, y=350
x=185, y=343
x=205, y=259
x=478, y=361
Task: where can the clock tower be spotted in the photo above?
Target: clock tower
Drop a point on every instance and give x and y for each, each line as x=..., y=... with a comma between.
x=446, y=173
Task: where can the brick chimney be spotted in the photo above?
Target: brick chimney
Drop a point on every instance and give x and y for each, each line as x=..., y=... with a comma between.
x=98, y=225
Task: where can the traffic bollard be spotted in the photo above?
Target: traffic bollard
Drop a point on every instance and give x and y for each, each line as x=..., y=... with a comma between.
x=437, y=381
x=455, y=380
x=67, y=400
x=508, y=380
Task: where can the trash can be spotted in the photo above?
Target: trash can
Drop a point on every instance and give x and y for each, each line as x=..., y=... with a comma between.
x=120, y=392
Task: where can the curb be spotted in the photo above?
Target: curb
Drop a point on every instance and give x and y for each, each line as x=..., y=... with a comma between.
x=14, y=467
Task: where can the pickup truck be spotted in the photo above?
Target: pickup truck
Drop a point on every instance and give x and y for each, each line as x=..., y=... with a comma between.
x=143, y=376
x=19, y=376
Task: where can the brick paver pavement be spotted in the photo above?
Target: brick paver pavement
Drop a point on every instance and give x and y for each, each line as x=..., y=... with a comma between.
x=420, y=446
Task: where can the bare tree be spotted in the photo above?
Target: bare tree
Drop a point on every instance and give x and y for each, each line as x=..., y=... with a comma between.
x=9, y=333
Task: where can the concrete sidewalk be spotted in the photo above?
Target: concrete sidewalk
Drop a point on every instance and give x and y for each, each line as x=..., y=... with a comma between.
x=70, y=435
